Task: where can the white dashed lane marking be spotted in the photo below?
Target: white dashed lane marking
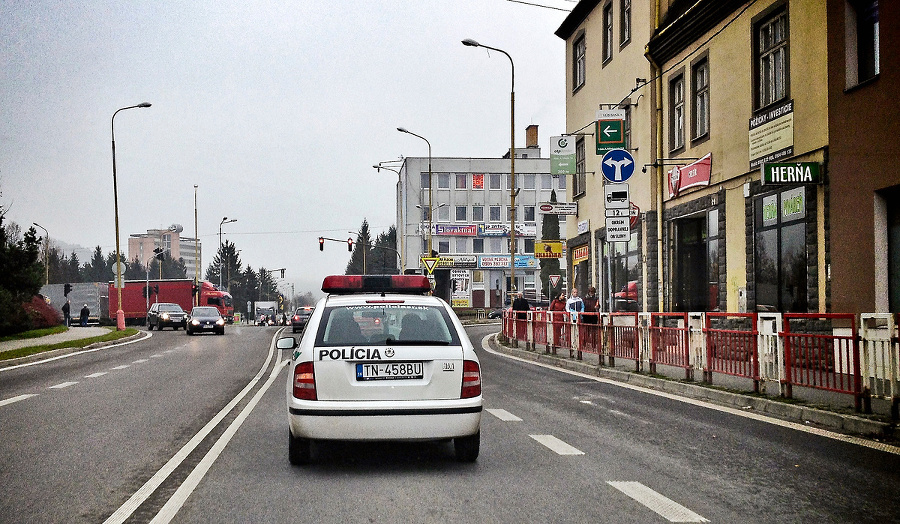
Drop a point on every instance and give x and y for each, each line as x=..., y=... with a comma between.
x=16, y=399
x=556, y=445
x=140, y=361
x=123, y=366
x=97, y=374
x=63, y=385
x=665, y=507
x=504, y=415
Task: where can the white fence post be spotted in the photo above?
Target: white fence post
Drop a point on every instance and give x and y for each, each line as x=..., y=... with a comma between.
x=770, y=346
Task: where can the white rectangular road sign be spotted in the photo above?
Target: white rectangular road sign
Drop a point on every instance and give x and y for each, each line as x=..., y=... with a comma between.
x=617, y=196
x=618, y=229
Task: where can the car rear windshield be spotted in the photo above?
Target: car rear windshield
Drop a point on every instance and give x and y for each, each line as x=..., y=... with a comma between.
x=386, y=324
x=171, y=308
x=207, y=311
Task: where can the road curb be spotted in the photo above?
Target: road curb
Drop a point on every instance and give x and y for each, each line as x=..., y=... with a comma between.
x=45, y=355
x=838, y=422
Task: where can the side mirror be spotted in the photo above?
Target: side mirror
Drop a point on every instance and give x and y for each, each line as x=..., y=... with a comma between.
x=286, y=343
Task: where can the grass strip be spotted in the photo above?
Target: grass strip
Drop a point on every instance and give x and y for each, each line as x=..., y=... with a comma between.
x=35, y=333
x=79, y=343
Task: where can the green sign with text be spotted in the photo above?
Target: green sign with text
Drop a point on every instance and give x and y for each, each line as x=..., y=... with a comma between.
x=791, y=173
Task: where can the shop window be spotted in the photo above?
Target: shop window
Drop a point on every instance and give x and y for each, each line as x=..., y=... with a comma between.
x=624, y=258
x=780, y=245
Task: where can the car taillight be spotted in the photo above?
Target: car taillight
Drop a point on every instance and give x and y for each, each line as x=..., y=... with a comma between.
x=305, y=381
x=471, y=379
x=296, y=318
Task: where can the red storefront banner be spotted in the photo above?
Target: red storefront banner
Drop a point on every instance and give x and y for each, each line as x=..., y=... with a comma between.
x=691, y=175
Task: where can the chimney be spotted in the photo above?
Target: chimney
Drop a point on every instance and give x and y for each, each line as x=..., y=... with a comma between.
x=531, y=136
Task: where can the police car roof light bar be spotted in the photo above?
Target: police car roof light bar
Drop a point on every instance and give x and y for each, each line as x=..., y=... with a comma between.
x=349, y=284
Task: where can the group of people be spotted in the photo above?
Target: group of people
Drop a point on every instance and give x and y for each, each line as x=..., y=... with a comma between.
x=574, y=305
x=85, y=313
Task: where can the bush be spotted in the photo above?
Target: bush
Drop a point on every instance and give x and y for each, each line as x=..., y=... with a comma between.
x=40, y=314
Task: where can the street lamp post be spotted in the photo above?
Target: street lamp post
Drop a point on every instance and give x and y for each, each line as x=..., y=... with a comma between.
x=402, y=226
x=512, y=160
x=46, y=251
x=222, y=254
x=430, y=184
x=196, y=250
x=120, y=315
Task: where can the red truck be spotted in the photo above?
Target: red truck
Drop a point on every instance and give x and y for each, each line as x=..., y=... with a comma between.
x=136, y=301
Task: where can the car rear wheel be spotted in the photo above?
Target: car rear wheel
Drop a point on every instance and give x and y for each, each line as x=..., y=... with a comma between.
x=298, y=450
x=467, y=447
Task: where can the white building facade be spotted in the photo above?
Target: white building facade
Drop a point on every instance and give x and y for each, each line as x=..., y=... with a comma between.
x=470, y=202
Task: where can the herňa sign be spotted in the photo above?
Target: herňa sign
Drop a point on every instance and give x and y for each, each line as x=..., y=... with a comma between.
x=791, y=173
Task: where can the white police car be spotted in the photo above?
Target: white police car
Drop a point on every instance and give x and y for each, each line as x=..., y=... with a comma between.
x=381, y=360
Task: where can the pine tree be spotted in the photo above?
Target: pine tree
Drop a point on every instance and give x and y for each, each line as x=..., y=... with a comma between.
x=362, y=248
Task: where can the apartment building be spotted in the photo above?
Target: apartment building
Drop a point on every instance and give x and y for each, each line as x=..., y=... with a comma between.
x=767, y=140
x=469, y=213
x=141, y=246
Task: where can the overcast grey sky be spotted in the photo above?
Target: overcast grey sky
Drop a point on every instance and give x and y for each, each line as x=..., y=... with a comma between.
x=276, y=110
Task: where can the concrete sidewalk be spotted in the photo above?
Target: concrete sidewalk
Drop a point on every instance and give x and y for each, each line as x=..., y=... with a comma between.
x=73, y=333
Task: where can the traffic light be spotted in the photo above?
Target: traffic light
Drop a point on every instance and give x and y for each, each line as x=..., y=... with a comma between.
x=156, y=289
x=67, y=289
x=321, y=243
x=195, y=289
x=350, y=245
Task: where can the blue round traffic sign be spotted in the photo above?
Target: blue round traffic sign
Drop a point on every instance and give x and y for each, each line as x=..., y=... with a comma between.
x=617, y=165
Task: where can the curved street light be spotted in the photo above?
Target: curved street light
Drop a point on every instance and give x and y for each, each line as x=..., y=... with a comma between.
x=46, y=249
x=512, y=160
x=400, y=206
x=222, y=259
x=120, y=315
x=430, y=184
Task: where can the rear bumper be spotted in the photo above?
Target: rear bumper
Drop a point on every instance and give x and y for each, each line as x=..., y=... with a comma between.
x=418, y=420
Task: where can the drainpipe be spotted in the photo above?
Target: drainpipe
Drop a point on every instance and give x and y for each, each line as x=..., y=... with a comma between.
x=656, y=75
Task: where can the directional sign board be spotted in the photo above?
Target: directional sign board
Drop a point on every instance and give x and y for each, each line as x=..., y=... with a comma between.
x=617, y=165
x=609, y=130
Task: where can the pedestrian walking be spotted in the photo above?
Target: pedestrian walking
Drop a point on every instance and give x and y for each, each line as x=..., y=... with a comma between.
x=592, y=306
x=575, y=306
x=85, y=313
x=67, y=313
x=521, y=306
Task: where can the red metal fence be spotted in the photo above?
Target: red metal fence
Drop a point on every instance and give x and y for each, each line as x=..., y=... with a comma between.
x=731, y=346
x=669, y=337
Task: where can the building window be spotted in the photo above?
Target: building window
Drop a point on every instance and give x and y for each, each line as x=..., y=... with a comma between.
x=580, y=178
x=529, y=214
x=509, y=213
x=627, y=127
x=496, y=245
x=426, y=180
x=426, y=214
x=676, y=113
x=461, y=215
x=528, y=181
x=624, y=258
x=529, y=246
x=780, y=245
x=443, y=246
x=562, y=182
x=772, y=59
x=461, y=181
x=478, y=214
x=443, y=180
x=477, y=245
x=444, y=213
x=495, y=181
x=862, y=41
x=462, y=245
x=495, y=213
x=700, y=76
x=625, y=24
x=546, y=182
x=607, y=32
x=578, y=63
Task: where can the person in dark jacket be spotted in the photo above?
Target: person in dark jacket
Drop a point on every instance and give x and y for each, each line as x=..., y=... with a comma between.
x=521, y=306
x=591, y=305
x=67, y=313
x=85, y=313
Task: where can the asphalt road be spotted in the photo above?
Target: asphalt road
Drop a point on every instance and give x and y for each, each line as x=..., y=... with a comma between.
x=556, y=447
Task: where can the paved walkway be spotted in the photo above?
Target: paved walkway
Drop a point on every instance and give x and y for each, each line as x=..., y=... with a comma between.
x=74, y=333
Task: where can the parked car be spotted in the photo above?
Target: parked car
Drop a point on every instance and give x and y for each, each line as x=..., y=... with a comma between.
x=165, y=314
x=205, y=319
x=300, y=318
x=626, y=299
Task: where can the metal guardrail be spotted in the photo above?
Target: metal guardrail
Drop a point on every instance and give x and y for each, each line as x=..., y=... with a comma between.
x=839, y=353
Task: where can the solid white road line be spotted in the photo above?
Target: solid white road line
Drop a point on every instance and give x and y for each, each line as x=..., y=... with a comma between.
x=168, y=511
x=894, y=450
x=16, y=399
x=146, y=335
x=556, y=445
x=63, y=385
x=125, y=510
x=504, y=415
x=666, y=508
x=97, y=374
x=140, y=361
